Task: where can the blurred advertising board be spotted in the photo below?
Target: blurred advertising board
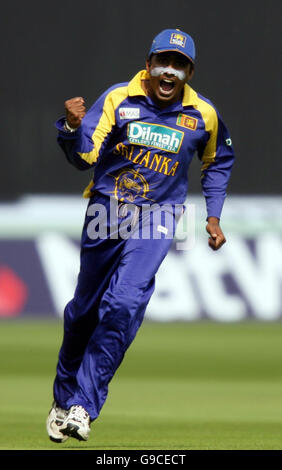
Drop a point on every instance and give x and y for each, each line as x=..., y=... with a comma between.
x=39, y=261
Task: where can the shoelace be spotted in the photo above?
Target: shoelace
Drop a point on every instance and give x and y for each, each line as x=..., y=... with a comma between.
x=79, y=413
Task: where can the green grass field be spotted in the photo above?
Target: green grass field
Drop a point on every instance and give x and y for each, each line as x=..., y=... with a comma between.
x=181, y=386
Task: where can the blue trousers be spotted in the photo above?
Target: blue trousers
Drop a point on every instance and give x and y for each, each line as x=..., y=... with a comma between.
x=115, y=283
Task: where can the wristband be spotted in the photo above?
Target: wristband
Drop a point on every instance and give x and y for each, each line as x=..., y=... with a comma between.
x=68, y=128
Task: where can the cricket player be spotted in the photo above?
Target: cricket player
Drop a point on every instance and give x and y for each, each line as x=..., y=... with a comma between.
x=139, y=138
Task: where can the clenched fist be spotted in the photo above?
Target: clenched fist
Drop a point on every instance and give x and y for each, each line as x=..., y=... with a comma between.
x=217, y=238
x=75, y=111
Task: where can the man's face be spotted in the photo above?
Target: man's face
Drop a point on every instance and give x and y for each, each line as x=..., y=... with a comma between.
x=166, y=88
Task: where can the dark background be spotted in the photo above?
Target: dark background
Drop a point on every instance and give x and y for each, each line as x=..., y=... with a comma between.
x=52, y=51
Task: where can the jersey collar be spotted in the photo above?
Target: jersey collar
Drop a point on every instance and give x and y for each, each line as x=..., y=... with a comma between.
x=190, y=97
x=134, y=86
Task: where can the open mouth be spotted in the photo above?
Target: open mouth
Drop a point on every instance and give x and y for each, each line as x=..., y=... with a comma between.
x=167, y=86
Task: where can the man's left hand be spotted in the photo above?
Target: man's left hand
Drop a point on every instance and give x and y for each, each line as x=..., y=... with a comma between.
x=217, y=238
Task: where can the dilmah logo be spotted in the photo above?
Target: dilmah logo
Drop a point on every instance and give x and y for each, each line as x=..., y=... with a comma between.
x=129, y=113
x=155, y=135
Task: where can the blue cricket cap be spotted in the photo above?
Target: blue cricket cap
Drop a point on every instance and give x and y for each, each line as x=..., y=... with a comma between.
x=174, y=40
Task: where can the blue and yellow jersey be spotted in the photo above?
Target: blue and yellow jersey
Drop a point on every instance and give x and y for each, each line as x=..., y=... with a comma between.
x=141, y=153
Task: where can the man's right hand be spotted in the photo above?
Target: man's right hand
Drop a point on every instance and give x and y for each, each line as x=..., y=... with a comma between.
x=75, y=111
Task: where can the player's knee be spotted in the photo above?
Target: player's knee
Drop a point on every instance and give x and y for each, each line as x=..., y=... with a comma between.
x=121, y=306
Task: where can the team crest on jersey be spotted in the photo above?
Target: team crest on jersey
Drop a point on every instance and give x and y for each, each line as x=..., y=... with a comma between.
x=130, y=184
x=187, y=121
x=178, y=39
x=154, y=135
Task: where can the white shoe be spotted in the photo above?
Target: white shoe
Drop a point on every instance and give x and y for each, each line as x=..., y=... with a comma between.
x=54, y=422
x=77, y=423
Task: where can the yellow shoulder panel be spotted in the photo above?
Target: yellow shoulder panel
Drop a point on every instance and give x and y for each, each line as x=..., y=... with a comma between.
x=106, y=122
x=211, y=124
